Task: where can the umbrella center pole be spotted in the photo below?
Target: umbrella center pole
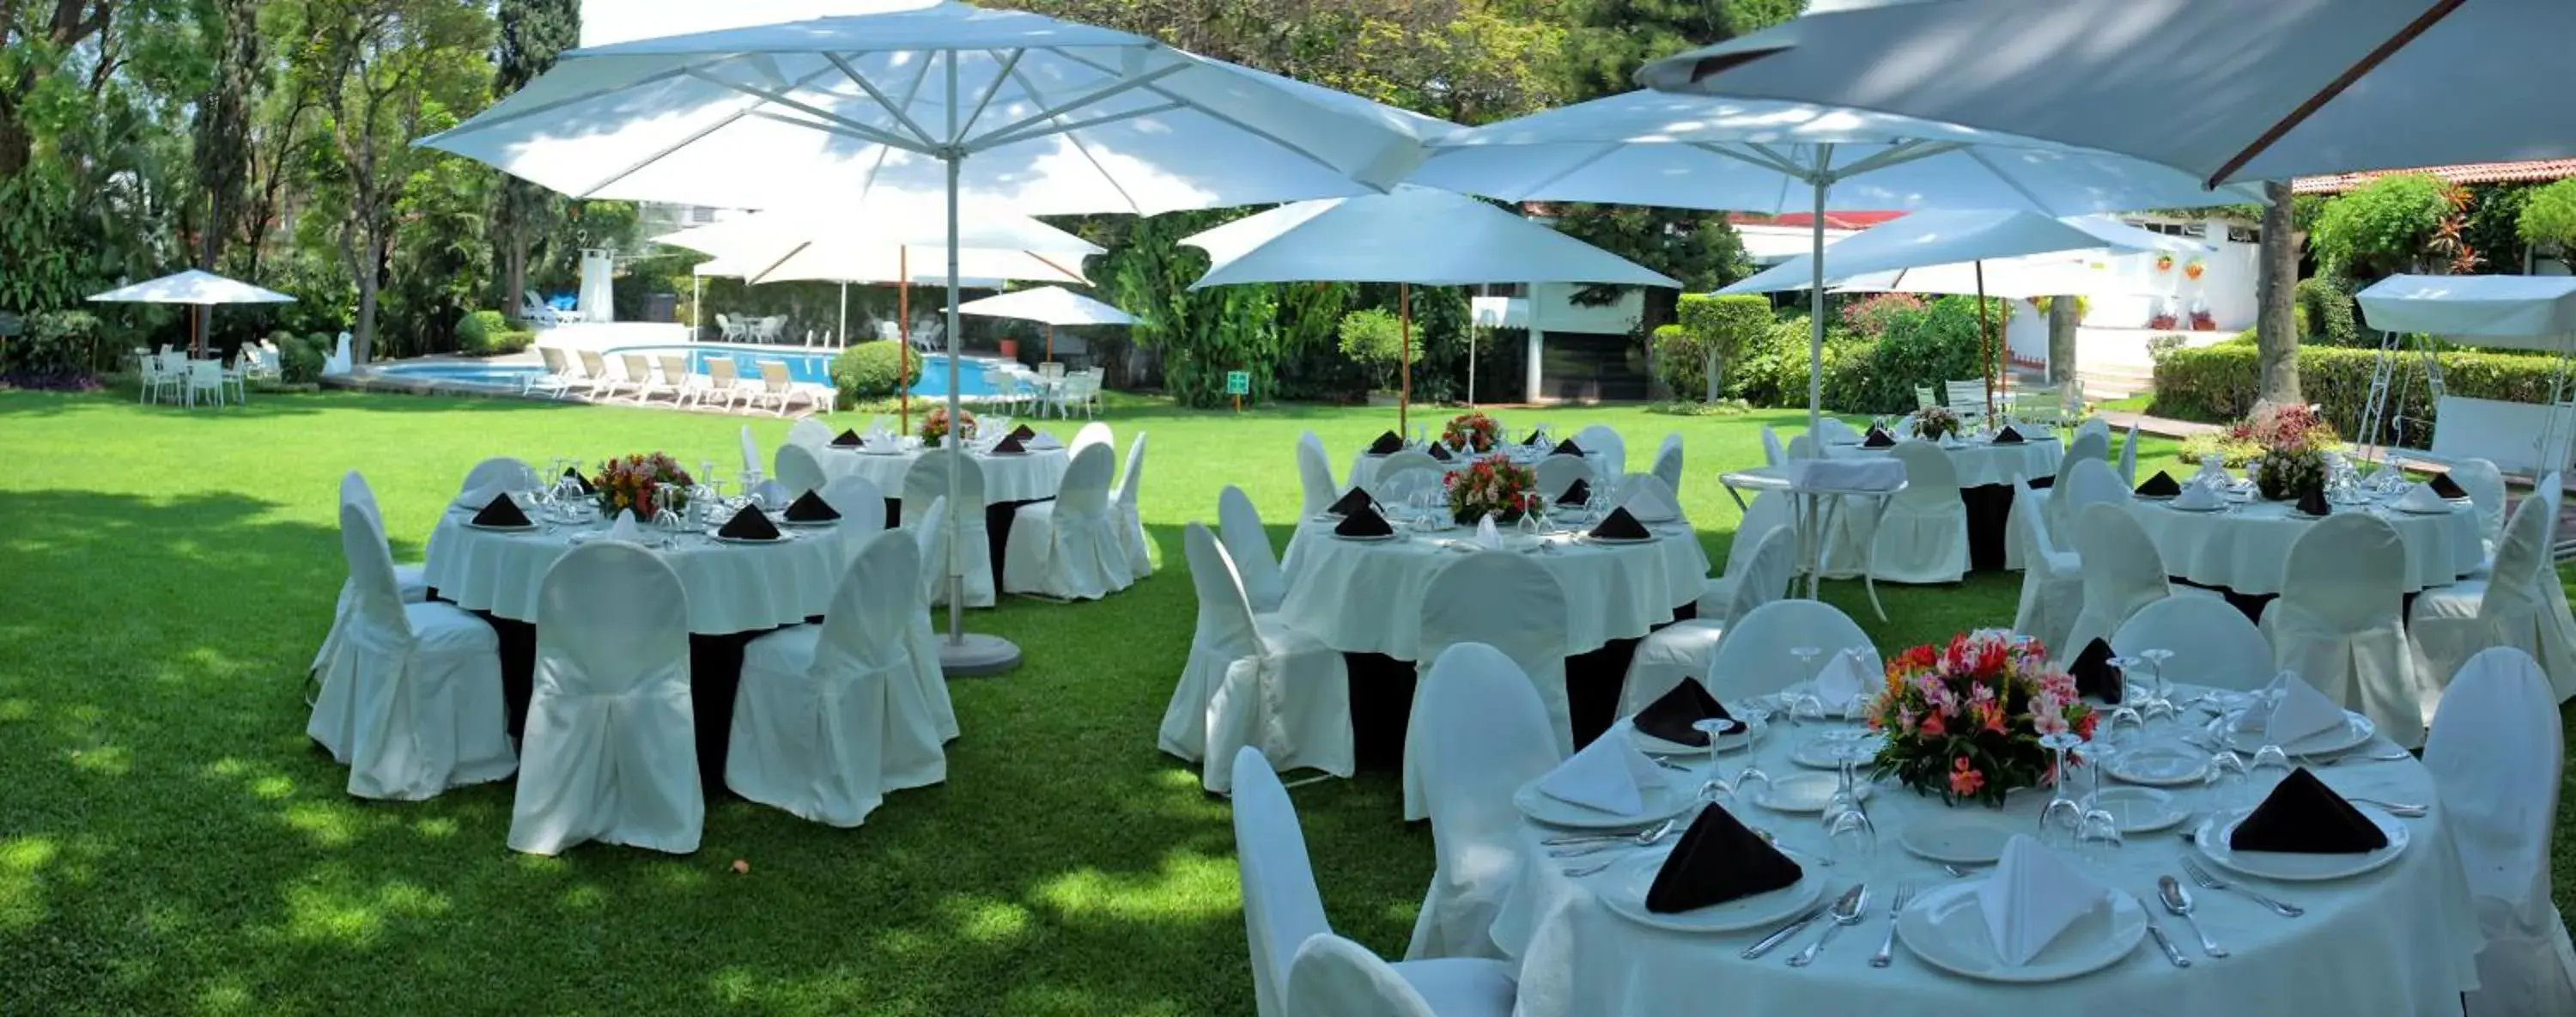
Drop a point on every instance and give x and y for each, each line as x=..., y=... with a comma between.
x=1404, y=356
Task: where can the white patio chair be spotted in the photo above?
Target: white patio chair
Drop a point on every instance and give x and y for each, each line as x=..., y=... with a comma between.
x=2052, y=578
x=1070, y=548
x=798, y=470
x=2211, y=641
x=556, y=379
x=2505, y=607
x=1334, y=977
x=1239, y=525
x=1668, y=463
x=731, y=329
x=1485, y=733
x=1252, y=683
x=207, y=377
x=1754, y=658
x=603, y=385
x=2497, y=760
x=2122, y=574
x=1688, y=648
x=1122, y=507
x=722, y=372
x=410, y=695
x=1925, y=398
x=2044, y=405
x=1967, y=399
x=1511, y=603
x=236, y=376
x=1603, y=446
x=2338, y=622
x=153, y=379
x=828, y=717
x=1922, y=535
x=611, y=750
x=639, y=375
x=927, y=480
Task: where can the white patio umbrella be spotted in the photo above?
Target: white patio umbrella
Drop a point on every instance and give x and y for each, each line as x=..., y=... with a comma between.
x=194, y=287
x=998, y=108
x=1691, y=151
x=1048, y=305
x=2229, y=90
x=1413, y=235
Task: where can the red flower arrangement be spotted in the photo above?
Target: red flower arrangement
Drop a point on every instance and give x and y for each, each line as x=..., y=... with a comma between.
x=2193, y=268
x=1493, y=485
x=1472, y=432
x=934, y=425
x=2164, y=263
x=630, y=484
x=1963, y=721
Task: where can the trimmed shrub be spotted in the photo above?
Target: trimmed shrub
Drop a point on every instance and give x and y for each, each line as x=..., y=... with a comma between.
x=1723, y=325
x=476, y=332
x=1374, y=337
x=2217, y=384
x=869, y=371
x=1936, y=343
x=2325, y=312
x=299, y=359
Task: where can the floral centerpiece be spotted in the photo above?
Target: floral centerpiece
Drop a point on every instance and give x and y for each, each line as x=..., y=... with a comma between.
x=934, y=425
x=1493, y=485
x=1472, y=432
x=2294, y=440
x=631, y=483
x=1931, y=423
x=1964, y=720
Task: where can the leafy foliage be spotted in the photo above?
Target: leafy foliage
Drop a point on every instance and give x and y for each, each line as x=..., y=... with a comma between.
x=1373, y=336
x=873, y=370
x=2326, y=312
x=2218, y=383
x=2548, y=216
x=2384, y=226
x=1710, y=326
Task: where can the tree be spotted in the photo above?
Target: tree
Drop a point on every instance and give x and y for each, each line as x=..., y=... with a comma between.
x=2276, y=278
x=223, y=133
x=2388, y=225
x=2549, y=217
x=533, y=32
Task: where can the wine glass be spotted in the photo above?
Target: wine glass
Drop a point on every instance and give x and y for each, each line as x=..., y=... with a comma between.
x=1716, y=786
x=2270, y=767
x=2062, y=816
x=2155, y=658
x=2097, y=834
x=2226, y=779
x=1850, y=836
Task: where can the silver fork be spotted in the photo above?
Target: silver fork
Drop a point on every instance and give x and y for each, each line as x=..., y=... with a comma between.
x=1887, y=947
x=2209, y=881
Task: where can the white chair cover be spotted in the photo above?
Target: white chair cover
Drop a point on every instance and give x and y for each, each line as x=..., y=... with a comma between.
x=1754, y=657
x=610, y=752
x=828, y=717
x=2090, y=443
x=1404, y=474
x=1803, y=447
x=2052, y=581
x=1093, y=433
x=2211, y=641
x=2557, y=615
x=410, y=694
x=2485, y=485
x=2088, y=482
x=750, y=451
x=923, y=641
x=1249, y=545
x=1556, y=473
x=2496, y=756
x=1668, y=462
x=1334, y=977
x=2337, y=621
x=1252, y=683
x=2506, y=608
x=1772, y=453
x=858, y=501
x=1686, y=649
x=409, y=582
x=1835, y=429
x=2129, y=456
x=1605, y=448
x=1122, y=504
x=2122, y=575
x=1314, y=476
x=2093, y=425
x=1922, y=537
x=798, y=471
x=806, y=431
x=927, y=481
x=1484, y=733
x=499, y=474
x=1511, y=603
x=1069, y=548
x=1769, y=511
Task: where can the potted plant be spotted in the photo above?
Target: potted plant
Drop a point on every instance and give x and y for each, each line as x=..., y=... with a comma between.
x=2192, y=269
x=2164, y=262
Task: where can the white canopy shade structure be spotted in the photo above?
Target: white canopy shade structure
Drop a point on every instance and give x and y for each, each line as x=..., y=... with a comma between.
x=995, y=108
x=1050, y=306
x=1408, y=236
x=2009, y=278
x=1693, y=151
x=2228, y=90
x=1925, y=239
x=196, y=287
x=2531, y=312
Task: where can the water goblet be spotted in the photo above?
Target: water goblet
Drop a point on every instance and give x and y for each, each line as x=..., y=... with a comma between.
x=2057, y=822
x=2155, y=658
x=2097, y=834
x=1716, y=786
x=1850, y=836
x=1806, y=656
x=2270, y=767
x=2226, y=779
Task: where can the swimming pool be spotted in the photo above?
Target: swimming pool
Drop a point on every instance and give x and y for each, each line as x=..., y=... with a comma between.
x=812, y=368
x=507, y=376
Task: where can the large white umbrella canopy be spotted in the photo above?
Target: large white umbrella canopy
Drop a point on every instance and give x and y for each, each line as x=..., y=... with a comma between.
x=1052, y=305
x=1946, y=238
x=1410, y=235
x=191, y=287
x=1694, y=151
x=1001, y=108
x=2229, y=90
x=2009, y=278
x=884, y=243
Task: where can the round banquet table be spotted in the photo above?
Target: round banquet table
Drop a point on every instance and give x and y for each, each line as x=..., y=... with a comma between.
x=2244, y=549
x=1364, y=465
x=735, y=591
x=2401, y=940
x=1987, y=473
x=1010, y=481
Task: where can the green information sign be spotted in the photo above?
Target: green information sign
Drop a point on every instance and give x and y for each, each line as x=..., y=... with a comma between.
x=1238, y=383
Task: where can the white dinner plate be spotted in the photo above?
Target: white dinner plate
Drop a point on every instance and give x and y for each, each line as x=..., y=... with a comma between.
x=1619, y=541
x=1960, y=839
x=2160, y=766
x=1803, y=792
x=1652, y=745
x=1946, y=927
x=824, y=524
x=783, y=537
x=1817, y=754
x=2204, y=509
x=1662, y=802
x=1378, y=539
x=2141, y=809
x=1625, y=896
x=2154, y=497
x=2356, y=731
x=2420, y=512
x=881, y=451
x=2292, y=866
x=489, y=528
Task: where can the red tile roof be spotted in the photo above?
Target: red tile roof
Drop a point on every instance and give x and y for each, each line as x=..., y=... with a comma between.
x=2539, y=171
x=1833, y=220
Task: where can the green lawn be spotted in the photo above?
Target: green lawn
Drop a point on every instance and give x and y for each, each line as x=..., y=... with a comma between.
x=171, y=843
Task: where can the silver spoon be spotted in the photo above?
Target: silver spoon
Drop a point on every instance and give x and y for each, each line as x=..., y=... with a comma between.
x=2178, y=900
x=1644, y=838
x=1648, y=835
x=1847, y=911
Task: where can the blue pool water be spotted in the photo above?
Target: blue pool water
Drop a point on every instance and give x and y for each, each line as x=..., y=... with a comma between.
x=811, y=368
x=498, y=375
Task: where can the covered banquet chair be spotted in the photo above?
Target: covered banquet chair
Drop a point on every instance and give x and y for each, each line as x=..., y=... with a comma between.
x=2052, y=579
x=1484, y=734
x=1686, y=648
x=1602, y=444
x=2122, y=575
x=1756, y=659
x=926, y=481
x=1334, y=977
x=1922, y=536
x=1070, y=548
x=858, y=501
x=2497, y=762
x=2506, y=607
x=1769, y=511
x=2211, y=641
x=1511, y=603
x=1239, y=527
x=611, y=752
x=1668, y=463
x=798, y=470
x=1252, y=682
x=2338, y=622
x=1122, y=505
x=410, y=582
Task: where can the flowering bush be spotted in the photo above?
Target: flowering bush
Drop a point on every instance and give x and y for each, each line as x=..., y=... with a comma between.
x=1871, y=317
x=934, y=425
x=1493, y=485
x=2232, y=451
x=1932, y=422
x=1472, y=432
x=631, y=482
x=1964, y=721
x=2277, y=428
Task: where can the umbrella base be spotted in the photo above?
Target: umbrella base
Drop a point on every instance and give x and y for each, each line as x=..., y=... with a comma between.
x=973, y=655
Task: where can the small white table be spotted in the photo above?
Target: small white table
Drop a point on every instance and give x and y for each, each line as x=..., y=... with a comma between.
x=731, y=587
x=1813, y=510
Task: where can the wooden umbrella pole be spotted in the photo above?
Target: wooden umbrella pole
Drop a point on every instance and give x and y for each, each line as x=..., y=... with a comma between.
x=1050, y=353
x=1404, y=355
x=903, y=353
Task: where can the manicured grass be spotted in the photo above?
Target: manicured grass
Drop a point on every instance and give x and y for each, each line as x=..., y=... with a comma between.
x=171, y=843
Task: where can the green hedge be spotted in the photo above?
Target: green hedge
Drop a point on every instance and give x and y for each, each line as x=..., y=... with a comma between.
x=2325, y=312
x=299, y=358
x=2218, y=383
x=1725, y=325
x=868, y=371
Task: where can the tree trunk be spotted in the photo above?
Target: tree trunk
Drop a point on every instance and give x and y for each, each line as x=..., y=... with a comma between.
x=1659, y=308
x=516, y=247
x=2062, y=322
x=2276, y=339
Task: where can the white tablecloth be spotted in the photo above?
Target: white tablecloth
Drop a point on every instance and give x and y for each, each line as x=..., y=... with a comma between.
x=1030, y=476
x=2402, y=940
x=731, y=587
x=2244, y=550
x=1361, y=597
x=1981, y=462
x=1364, y=465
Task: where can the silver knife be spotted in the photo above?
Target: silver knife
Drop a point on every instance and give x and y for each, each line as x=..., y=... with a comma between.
x=2171, y=952
x=1773, y=940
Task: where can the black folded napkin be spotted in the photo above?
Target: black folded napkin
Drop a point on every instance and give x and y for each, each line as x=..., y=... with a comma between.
x=1440, y=452
x=1024, y=432
x=2313, y=502
x=1535, y=438
x=1354, y=501
x=2446, y=487
x=1566, y=448
x=810, y=507
x=1576, y=493
x=1717, y=861
x=2162, y=485
x=749, y=524
x=1386, y=444
x=847, y=439
x=1671, y=715
x=501, y=512
x=2094, y=675
x=1621, y=526
x=1878, y=438
x=1364, y=522
x=2304, y=816
x=575, y=476
x=1008, y=446
x=2008, y=436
